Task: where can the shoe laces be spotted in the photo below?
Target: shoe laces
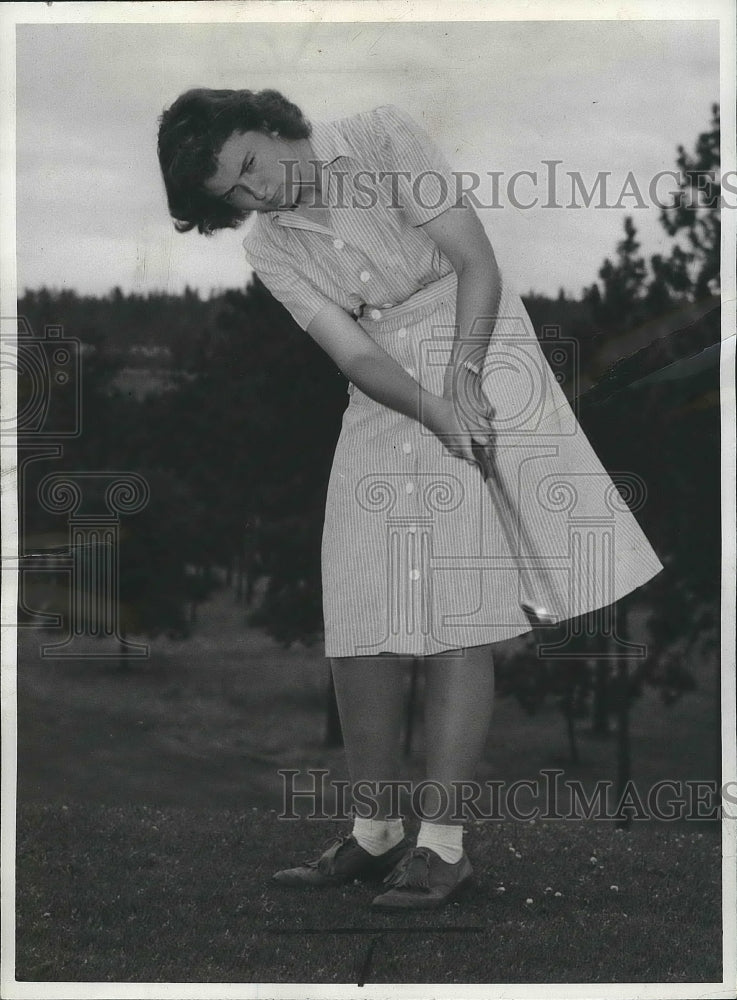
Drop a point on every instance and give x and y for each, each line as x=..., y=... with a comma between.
x=413, y=871
x=330, y=849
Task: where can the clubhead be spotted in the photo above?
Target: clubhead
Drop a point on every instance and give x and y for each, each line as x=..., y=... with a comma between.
x=538, y=615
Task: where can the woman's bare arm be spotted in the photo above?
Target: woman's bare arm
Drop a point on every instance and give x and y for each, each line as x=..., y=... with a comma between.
x=378, y=375
x=369, y=366
x=459, y=235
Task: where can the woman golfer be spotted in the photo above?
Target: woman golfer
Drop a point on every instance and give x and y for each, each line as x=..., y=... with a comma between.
x=362, y=231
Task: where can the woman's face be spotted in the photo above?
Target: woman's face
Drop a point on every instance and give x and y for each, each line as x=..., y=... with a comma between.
x=256, y=172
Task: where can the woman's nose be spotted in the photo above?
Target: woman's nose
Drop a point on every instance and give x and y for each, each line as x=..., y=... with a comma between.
x=256, y=189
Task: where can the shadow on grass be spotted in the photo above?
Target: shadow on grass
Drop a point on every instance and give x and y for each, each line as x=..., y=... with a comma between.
x=169, y=895
x=146, y=844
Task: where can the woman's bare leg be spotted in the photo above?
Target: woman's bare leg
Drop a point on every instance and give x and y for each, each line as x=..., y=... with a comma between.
x=459, y=693
x=459, y=700
x=370, y=695
x=369, y=691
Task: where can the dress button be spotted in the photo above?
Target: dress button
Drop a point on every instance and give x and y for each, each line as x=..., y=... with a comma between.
x=338, y=244
x=357, y=311
x=375, y=314
x=412, y=529
x=414, y=574
x=365, y=276
x=406, y=447
x=402, y=332
x=409, y=487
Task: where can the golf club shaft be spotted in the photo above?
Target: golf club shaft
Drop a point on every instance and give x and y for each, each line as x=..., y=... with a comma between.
x=508, y=518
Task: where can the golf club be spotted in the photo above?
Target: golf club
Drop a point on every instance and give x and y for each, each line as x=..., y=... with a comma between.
x=535, y=610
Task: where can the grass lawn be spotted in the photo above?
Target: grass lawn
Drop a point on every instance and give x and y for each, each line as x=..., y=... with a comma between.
x=136, y=893
x=147, y=835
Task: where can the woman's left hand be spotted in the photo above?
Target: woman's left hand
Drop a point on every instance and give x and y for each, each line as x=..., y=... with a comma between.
x=441, y=416
x=479, y=423
x=464, y=389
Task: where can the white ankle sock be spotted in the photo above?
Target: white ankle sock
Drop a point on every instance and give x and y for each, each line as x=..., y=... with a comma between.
x=447, y=841
x=377, y=835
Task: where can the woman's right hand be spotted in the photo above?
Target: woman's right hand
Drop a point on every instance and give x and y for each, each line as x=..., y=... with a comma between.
x=474, y=444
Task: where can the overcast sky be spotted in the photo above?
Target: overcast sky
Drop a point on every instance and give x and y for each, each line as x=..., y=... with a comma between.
x=497, y=96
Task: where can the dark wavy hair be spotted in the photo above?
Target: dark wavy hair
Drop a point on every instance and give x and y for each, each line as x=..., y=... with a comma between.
x=192, y=133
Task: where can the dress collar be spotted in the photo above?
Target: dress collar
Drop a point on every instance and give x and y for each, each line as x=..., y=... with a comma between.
x=328, y=144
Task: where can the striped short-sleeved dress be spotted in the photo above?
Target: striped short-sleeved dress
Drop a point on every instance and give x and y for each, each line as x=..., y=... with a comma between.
x=415, y=560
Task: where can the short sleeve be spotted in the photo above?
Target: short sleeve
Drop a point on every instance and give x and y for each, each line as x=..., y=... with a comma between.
x=425, y=185
x=295, y=292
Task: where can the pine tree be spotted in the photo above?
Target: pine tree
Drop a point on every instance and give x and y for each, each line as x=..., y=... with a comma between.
x=695, y=211
x=620, y=305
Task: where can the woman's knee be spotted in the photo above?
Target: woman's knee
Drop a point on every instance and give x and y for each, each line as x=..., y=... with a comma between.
x=483, y=654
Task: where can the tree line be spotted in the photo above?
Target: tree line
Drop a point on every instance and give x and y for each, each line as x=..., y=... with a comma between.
x=237, y=448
